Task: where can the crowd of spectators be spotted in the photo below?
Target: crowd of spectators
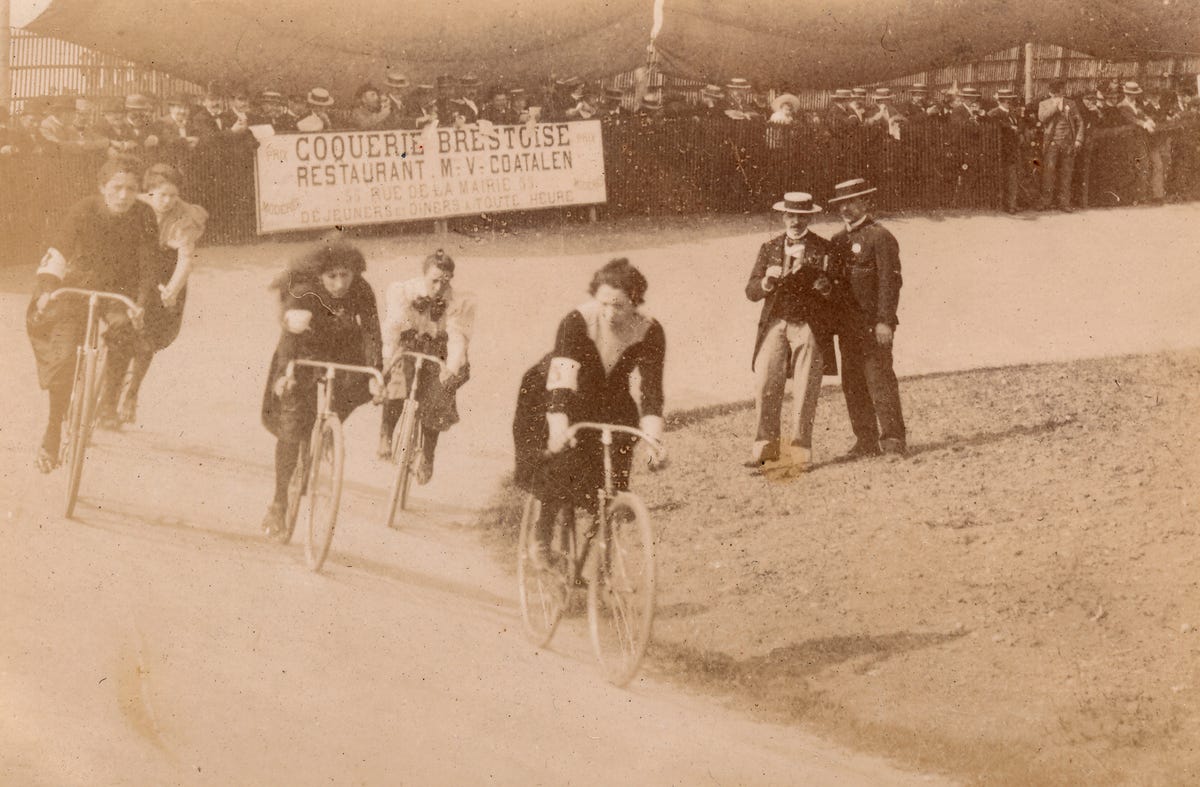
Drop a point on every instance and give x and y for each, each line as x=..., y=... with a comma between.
x=1051, y=129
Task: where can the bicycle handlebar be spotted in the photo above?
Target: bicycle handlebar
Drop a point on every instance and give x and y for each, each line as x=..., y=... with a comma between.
x=130, y=306
x=419, y=356
x=330, y=367
x=655, y=445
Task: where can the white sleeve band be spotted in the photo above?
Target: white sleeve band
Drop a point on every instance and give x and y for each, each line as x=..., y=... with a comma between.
x=297, y=320
x=564, y=374
x=53, y=263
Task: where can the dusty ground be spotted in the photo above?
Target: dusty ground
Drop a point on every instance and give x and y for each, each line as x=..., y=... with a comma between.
x=146, y=641
x=1016, y=602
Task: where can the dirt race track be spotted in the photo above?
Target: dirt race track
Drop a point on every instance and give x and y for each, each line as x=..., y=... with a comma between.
x=158, y=639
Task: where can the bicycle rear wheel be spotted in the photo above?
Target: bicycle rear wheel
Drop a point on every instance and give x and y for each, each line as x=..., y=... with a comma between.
x=543, y=594
x=621, y=597
x=324, y=491
x=404, y=452
x=75, y=439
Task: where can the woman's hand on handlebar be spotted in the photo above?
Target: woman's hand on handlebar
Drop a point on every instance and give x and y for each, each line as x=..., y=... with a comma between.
x=376, y=390
x=559, y=436
x=283, y=385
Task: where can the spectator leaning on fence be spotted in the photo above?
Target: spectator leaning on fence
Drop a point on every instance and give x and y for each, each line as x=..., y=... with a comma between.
x=370, y=111
x=888, y=117
x=319, y=101
x=397, y=91
x=1062, y=136
x=741, y=106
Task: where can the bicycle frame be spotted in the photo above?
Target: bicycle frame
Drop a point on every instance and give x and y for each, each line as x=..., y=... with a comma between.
x=325, y=382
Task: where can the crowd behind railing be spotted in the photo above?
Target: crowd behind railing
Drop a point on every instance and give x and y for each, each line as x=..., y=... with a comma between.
x=717, y=149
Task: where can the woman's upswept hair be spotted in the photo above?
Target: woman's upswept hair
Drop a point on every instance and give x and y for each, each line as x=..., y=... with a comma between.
x=118, y=164
x=159, y=174
x=621, y=275
x=441, y=259
x=332, y=251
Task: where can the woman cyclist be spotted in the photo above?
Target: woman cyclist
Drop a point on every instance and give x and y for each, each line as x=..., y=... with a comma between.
x=180, y=225
x=587, y=378
x=106, y=242
x=329, y=314
x=426, y=315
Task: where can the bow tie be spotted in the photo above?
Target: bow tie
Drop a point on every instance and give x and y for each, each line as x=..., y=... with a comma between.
x=435, y=307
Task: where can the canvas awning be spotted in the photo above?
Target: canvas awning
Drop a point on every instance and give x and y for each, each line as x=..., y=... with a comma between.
x=298, y=44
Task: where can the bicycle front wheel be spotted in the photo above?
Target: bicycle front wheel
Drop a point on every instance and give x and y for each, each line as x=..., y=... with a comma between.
x=404, y=453
x=78, y=415
x=297, y=488
x=324, y=490
x=621, y=598
x=543, y=594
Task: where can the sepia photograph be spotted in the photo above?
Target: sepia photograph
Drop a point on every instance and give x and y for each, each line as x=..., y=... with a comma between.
x=599, y=392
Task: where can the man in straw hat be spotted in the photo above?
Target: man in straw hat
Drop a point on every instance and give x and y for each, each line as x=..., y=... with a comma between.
x=397, y=88
x=1062, y=137
x=866, y=296
x=1004, y=117
x=789, y=277
x=741, y=102
x=317, y=119
x=1149, y=161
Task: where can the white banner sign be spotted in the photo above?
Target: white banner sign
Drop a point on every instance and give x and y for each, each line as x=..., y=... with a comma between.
x=308, y=181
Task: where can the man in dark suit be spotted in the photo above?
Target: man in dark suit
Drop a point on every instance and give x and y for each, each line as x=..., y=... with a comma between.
x=1004, y=117
x=1062, y=137
x=790, y=277
x=866, y=296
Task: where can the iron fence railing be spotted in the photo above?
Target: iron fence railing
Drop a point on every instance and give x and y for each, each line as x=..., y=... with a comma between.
x=674, y=166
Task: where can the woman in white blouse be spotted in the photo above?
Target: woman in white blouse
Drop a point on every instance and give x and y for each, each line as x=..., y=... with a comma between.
x=426, y=315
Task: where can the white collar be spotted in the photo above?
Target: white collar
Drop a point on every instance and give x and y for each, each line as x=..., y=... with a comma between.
x=788, y=239
x=858, y=223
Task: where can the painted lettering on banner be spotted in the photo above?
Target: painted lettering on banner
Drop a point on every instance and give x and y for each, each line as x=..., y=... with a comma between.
x=310, y=181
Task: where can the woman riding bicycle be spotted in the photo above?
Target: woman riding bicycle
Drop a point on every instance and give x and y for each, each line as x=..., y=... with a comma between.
x=180, y=225
x=329, y=314
x=106, y=242
x=426, y=315
x=587, y=378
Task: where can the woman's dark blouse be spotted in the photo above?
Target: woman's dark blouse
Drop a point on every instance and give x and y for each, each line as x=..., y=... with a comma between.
x=605, y=396
x=114, y=253
x=342, y=330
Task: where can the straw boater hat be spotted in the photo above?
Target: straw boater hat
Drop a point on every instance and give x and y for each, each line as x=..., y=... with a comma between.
x=470, y=80
x=786, y=99
x=319, y=97
x=737, y=83
x=271, y=97
x=652, y=101
x=842, y=94
x=883, y=94
x=1131, y=89
x=396, y=79
x=970, y=92
x=138, y=103
x=1006, y=94
x=712, y=91
x=920, y=87
x=796, y=202
x=859, y=92
x=849, y=189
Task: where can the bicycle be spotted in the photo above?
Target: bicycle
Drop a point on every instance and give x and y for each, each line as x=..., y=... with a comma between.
x=318, y=474
x=408, y=440
x=614, y=557
x=90, y=360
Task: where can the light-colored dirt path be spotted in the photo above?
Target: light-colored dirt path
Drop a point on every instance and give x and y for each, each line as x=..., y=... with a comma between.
x=159, y=640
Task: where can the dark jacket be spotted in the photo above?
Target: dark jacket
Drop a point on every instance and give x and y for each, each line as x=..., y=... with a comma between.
x=1010, y=133
x=343, y=330
x=867, y=282
x=795, y=297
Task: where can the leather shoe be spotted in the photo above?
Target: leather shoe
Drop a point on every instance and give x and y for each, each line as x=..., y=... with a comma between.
x=892, y=447
x=861, y=450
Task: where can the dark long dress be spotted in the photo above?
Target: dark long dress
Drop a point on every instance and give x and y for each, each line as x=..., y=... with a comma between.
x=343, y=330
x=599, y=395
x=103, y=251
